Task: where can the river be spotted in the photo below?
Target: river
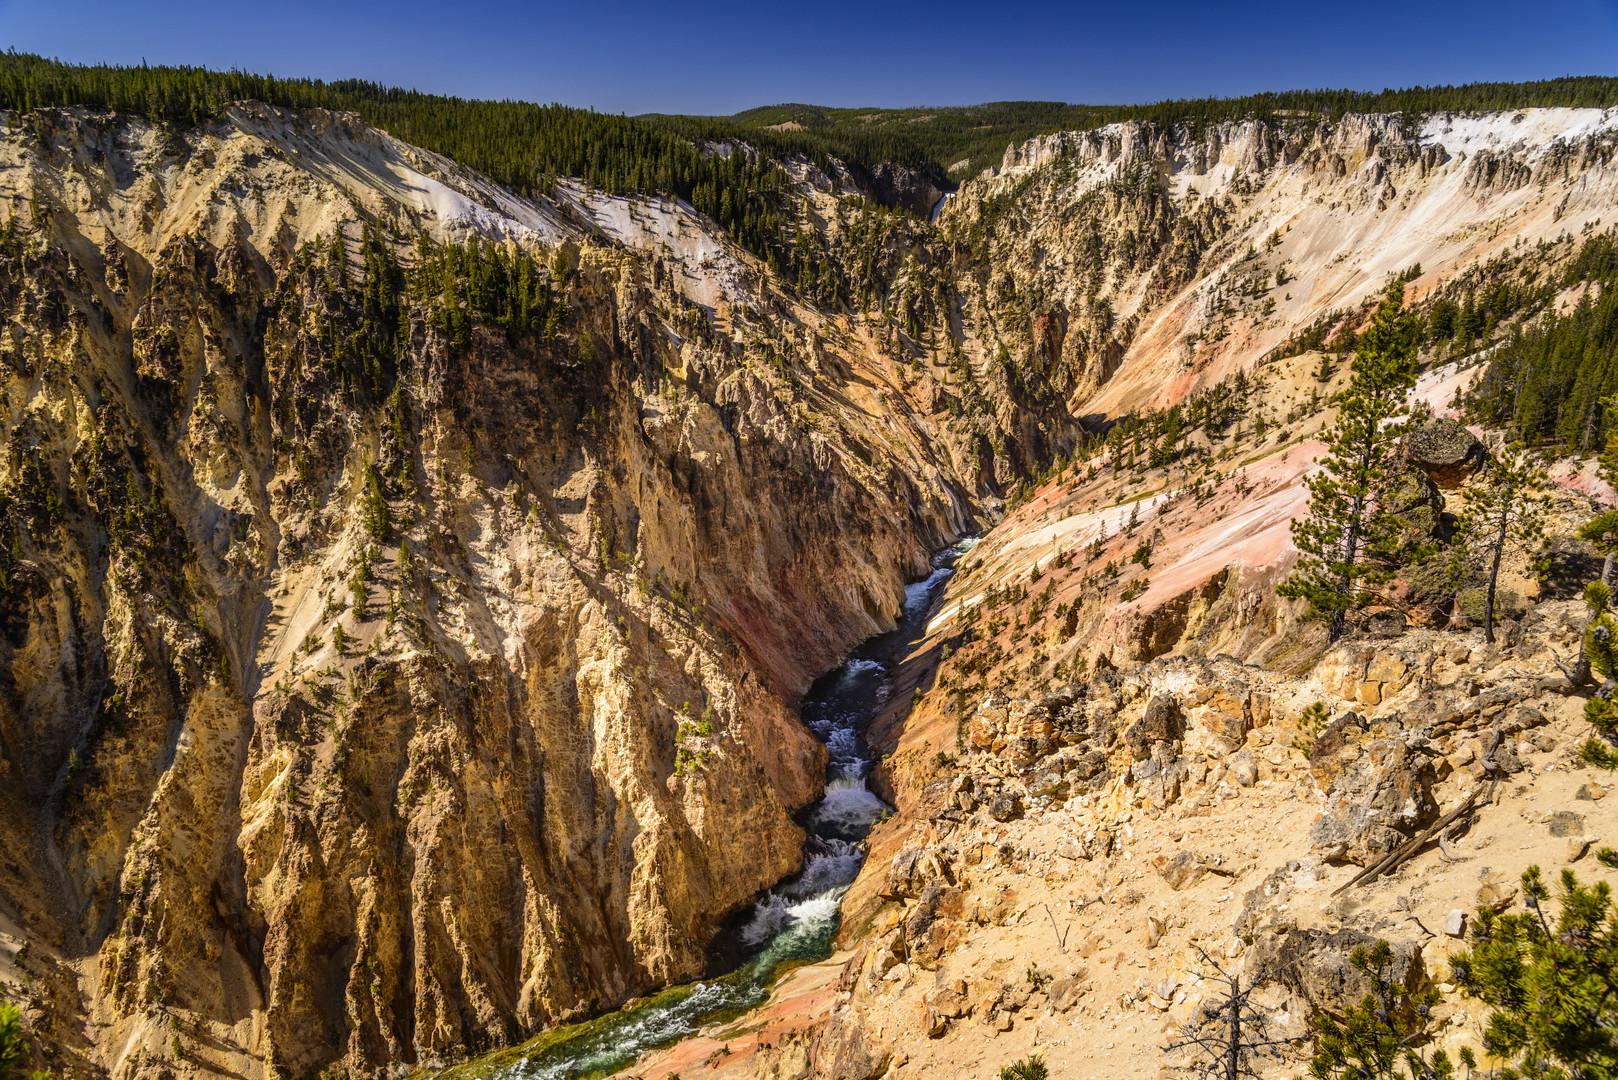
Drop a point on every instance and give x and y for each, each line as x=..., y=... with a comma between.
x=796, y=921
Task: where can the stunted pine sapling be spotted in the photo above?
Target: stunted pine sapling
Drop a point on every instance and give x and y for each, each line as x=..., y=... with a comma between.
x=1381, y=1032
x=1505, y=514
x=1598, y=652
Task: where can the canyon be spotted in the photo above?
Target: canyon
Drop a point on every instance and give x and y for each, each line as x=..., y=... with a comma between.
x=411, y=589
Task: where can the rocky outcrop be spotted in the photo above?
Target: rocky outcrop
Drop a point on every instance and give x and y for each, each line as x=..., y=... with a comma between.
x=1379, y=787
x=1445, y=451
x=1316, y=967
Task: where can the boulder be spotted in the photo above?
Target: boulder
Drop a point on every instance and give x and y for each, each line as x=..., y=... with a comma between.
x=1225, y=716
x=1445, y=451
x=1046, y=782
x=949, y=1001
x=1095, y=845
x=1379, y=790
x=1413, y=497
x=1368, y=674
x=995, y=910
x=1066, y=991
x=1315, y=966
x=1566, y=823
x=1497, y=896
x=1183, y=870
x=1336, y=746
x=1005, y=807
x=935, y=902
x=914, y=870
x=1243, y=769
x=1087, y=767
x=848, y=1051
x=1161, y=722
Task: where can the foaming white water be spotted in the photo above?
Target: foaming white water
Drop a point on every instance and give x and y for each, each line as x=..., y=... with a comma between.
x=777, y=915
x=644, y=1028
x=851, y=771
x=920, y=594
x=770, y=917
x=842, y=787
x=813, y=896
x=835, y=869
x=849, y=804
x=817, y=912
x=856, y=669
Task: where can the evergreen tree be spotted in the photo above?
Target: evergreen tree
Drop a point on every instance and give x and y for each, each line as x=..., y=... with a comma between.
x=13, y=1049
x=374, y=506
x=1554, y=380
x=1505, y=513
x=1602, y=531
x=1598, y=651
x=1555, y=988
x=14, y=1045
x=1352, y=541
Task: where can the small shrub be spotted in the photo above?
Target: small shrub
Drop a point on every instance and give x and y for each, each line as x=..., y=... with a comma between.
x=1385, y=1028
x=13, y=1048
x=1310, y=725
x=1029, y=1068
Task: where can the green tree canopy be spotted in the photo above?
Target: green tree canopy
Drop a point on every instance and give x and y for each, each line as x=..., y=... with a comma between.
x=1554, y=986
x=1351, y=541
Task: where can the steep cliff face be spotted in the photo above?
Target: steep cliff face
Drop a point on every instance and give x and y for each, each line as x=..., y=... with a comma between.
x=406, y=586
x=1140, y=265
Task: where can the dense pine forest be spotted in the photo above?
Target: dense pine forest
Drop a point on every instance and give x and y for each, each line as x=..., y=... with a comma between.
x=1554, y=381
x=525, y=146
x=958, y=142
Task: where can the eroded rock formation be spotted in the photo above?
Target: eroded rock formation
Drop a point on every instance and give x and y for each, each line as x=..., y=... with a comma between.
x=407, y=585
x=401, y=634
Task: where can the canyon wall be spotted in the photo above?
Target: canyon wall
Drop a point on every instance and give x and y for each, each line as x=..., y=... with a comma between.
x=407, y=586
x=387, y=672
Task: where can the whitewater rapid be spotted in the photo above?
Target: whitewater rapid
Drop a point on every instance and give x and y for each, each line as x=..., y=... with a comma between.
x=797, y=919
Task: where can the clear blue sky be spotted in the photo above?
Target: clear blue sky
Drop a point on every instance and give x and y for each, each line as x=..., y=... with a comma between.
x=637, y=56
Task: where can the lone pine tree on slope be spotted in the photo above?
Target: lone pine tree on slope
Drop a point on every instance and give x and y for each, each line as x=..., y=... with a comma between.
x=1505, y=514
x=1352, y=540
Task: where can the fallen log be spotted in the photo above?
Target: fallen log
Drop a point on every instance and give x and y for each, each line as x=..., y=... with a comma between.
x=1416, y=843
